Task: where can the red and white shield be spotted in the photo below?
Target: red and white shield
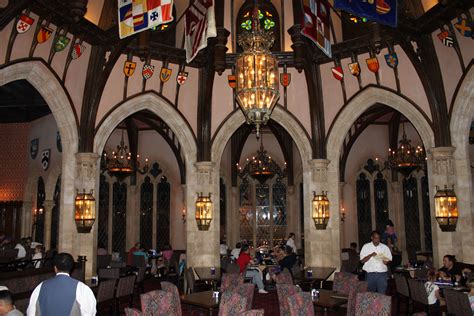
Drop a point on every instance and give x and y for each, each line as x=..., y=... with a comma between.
x=337, y=72
x=148, y=71
x=24, y=23
x=77, y=51
x=181, y=77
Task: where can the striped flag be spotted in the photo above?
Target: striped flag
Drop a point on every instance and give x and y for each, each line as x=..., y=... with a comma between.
x=199, y=25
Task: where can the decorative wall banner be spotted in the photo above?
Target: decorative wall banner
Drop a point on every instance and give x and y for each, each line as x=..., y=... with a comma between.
x=24, y=23
x=446, y=38
x=372, y=64
x=44, y=34
x=129, y=68
x=165, y=74
x=464, y=27
x=147, y=71
x=354, y=68
x=381, y=11
x=391, y=59
x=181, y=77
x=45, y=158
x=316, y=24
x=34, y=146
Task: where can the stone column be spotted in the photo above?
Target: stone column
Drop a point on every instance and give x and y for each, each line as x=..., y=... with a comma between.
x=26, y=222
x=202, y=247
x=234, y=223
x=47, y=209
x=133, y=217
x=87, y=179
x=397, y=215
x=322, y=247
x=341, y=205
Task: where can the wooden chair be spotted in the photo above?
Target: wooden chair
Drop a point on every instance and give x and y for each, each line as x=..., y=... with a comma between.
x=125, y=289
x=105, y=294
x=141, y=274
x=194, y=285
x=103, y=261
x=108, y=273
x=457, y=303
x=403, y=292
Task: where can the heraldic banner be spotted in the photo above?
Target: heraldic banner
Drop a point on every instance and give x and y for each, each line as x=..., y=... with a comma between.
x=381, y=11
x=139, y=15
x=199, y=25
x=316, y=24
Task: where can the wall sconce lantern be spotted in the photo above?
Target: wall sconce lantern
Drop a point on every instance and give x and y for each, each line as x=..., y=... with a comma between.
x=183, y=215
x=320, y=210
x=85, y=211
x=343, y=214
x=203, y=211
x=446, y=209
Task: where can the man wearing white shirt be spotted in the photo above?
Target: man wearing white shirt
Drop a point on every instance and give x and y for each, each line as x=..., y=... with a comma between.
x=62, y=295
x=291, y=242
x=375, y=256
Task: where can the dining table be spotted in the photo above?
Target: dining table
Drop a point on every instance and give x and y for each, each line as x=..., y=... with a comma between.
x=313, y=275
x=328, y=300
x=204, y=300
x=206, y=274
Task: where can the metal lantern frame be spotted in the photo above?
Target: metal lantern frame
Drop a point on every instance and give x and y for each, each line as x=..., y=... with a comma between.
x=406, y=158
x=85, y=214
x=446, y=209
x=204, y=211
x=320, y=210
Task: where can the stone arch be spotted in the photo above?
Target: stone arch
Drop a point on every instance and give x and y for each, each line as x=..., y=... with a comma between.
x=37, y=73
x=159, y=106
x=51, y=179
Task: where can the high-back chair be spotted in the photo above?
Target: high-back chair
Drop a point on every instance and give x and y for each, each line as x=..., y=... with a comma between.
x=125, y=287
x=343, y=282
x=360, y=287
x=105, y=294
x=300, y=304
x=230, y=281
x=253, y=312
x=246, y=290
x=283, y=291
x=233, y=268
x=457, y=303
x=284, y=277
x=173, y=290
x=373, y=304
x=158, y=303
x=232, y=304
x=418, y=294
x=403, y=292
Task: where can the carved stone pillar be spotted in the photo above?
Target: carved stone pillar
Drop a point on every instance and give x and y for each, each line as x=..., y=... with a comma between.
x=341, y=205
x=202, y=247
x=233, y=228
x=47, y=209
x=322, y=247
x=87, y=179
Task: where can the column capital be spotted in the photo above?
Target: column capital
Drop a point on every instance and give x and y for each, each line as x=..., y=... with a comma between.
x=443, y=160
x=319, y=170
x=48, y=205
x=86, y=170
x=204, y=171
x=442, y=152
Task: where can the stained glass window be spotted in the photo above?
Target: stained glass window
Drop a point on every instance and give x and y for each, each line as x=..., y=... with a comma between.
x=381, y=202
x=364, y=218
x=163, y=213
x=246, y=212
x=146, y=213
x=119, y=216
x=103, y=228
x=39, y=217
x=279, y=211
x=55, y=215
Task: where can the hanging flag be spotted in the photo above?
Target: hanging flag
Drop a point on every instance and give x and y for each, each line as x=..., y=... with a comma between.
x=199, y=25
x=446, y=39
x=373, y=64
x=24, y=23
x=44, y=34
x=77, y=51
x=181, y=77
x=61, y=42
x=391, y=59
x=232, y=81
x=129, y=68
x=148, y=71
x=381, y=11
x=337, y=72
x=316, y=24
x=165, y=74
x=285, y=79
x=464, y=27
x=354, y=68
x=135, y=16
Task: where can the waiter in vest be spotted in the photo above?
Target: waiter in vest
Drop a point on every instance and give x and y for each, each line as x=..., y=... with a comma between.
x=62, y=295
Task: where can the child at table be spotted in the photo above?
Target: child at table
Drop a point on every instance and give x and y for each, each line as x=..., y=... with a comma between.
x=432, y=290
x=470, y=285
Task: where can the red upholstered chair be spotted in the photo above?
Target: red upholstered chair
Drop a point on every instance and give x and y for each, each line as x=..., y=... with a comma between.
x=246, y=290
x=283, y=291
x=343, y=282
x=253, y=312
x=300, y=304
x=173, y=290
x=230, y=281
x=284, y=277
x=158, y=303
x=232, y=304
x=360, y=287
x=373, y=304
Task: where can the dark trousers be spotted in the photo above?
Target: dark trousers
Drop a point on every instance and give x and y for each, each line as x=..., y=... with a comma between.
x=377, y=282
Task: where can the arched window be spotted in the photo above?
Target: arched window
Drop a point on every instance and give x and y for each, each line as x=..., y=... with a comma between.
x=103, y=229
x=119, y=216
x=163, y=213
x=55, y=215
x=364, y=217
x=39, y=212
x=146, y=213
x=412, y=217
x=425, y=191
x=381, y=202
x=268, y=18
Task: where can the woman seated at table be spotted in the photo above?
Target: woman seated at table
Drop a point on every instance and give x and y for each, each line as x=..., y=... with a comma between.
x=244, y=261
x=288, y=261
x=451, y=270
x=432, y=290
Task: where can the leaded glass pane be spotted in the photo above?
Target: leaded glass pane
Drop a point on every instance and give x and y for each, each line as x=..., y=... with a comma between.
x=39, y=217
x=263, y=215
x=119, y=216
x=381, y=202
x=246, y=212
x=279, y=212
x=222, y=205
x=55, y=215
x=364, y=219
x=163, y=213
x=412, y=218
x=103, y=229
x=146, y=213
x=425, y=191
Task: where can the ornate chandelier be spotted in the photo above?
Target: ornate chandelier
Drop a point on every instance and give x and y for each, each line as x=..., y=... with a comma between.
x=261, y=167
x=257, y=75
x=406, y=158
x=120, y=165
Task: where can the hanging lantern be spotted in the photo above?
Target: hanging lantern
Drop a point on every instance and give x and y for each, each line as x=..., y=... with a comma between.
x=446, y=209
x=320, y=210
x=256, y=68
x=85, y=211
x=203, y=211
